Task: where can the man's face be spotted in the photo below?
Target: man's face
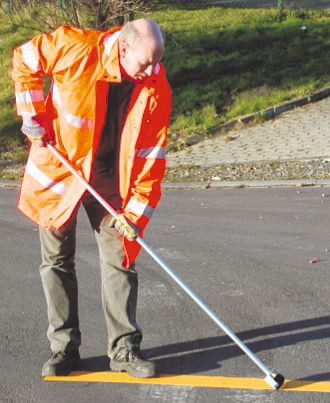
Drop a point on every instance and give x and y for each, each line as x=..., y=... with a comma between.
x=138, y=63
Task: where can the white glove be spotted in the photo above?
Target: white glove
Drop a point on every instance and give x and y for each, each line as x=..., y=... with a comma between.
x=34, y=127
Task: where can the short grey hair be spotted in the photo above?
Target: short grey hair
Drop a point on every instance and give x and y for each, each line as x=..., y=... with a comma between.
x=132, y=36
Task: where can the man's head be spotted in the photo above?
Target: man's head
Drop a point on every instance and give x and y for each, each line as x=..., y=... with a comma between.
x=141, y=47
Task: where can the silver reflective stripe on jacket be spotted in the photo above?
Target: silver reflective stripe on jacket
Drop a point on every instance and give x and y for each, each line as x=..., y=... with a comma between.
x=139, y=208
x=151, y=152
x=43, y=179
x=30, y=57
x=29, y=96
x=79, y=122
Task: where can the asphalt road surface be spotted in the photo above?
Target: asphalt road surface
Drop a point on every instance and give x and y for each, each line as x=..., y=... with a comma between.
x=245, y=252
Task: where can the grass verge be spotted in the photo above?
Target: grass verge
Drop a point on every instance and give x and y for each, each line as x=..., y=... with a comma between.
x=224, y=63
x=221, y=63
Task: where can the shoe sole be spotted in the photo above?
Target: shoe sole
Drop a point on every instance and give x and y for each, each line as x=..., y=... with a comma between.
x=55, y=372
x=122, y=367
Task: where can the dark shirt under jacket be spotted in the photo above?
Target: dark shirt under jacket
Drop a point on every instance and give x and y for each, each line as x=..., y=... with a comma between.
x=105, y=168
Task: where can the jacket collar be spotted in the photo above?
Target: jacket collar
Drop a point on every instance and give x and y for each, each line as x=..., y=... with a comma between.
x=109, y=51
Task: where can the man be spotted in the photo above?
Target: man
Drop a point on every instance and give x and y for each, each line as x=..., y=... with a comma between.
x=107, y=112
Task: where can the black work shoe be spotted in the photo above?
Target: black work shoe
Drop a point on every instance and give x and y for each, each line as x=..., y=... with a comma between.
x=61, y=363
x=132, y=361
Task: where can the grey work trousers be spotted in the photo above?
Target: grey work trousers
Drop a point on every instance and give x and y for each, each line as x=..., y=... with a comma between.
x=119, y=285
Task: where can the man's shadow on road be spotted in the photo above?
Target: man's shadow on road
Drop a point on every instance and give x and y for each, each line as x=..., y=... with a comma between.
x=205, y=354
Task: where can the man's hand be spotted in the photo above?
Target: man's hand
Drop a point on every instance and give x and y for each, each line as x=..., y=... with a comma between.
x=36, y=128
x=124, y=227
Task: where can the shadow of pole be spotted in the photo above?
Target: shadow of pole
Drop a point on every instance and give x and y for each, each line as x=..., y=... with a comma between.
x=205, y=354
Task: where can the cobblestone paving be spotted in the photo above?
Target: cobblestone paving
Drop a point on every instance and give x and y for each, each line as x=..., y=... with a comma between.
x=301, y=134
x=296, y=145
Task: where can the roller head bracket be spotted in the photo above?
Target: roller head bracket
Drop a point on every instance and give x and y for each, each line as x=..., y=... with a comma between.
x=275, y=380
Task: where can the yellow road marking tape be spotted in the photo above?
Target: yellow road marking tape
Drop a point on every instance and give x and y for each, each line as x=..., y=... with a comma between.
x=191, y=380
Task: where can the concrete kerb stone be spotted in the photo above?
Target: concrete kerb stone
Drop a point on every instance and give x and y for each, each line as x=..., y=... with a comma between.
x=287, y=106
x=9, y=184
x=220, y=184
x=247, y=184
x=267, y=114
x=320, y=95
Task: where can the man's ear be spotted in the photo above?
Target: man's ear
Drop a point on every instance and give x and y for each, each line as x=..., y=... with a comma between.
x=122, y=50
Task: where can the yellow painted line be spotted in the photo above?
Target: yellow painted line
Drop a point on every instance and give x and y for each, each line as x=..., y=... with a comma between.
x=191, y=380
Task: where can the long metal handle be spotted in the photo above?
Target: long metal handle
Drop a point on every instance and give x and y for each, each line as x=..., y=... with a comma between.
x=204, y=306
x=274, y=380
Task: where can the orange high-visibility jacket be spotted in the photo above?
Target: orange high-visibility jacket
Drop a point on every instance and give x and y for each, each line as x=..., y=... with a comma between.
x=81, y=63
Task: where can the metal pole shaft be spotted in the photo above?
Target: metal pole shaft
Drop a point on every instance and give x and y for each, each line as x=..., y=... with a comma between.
x=165, y=266
x=205, y=308
x=97, y=196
